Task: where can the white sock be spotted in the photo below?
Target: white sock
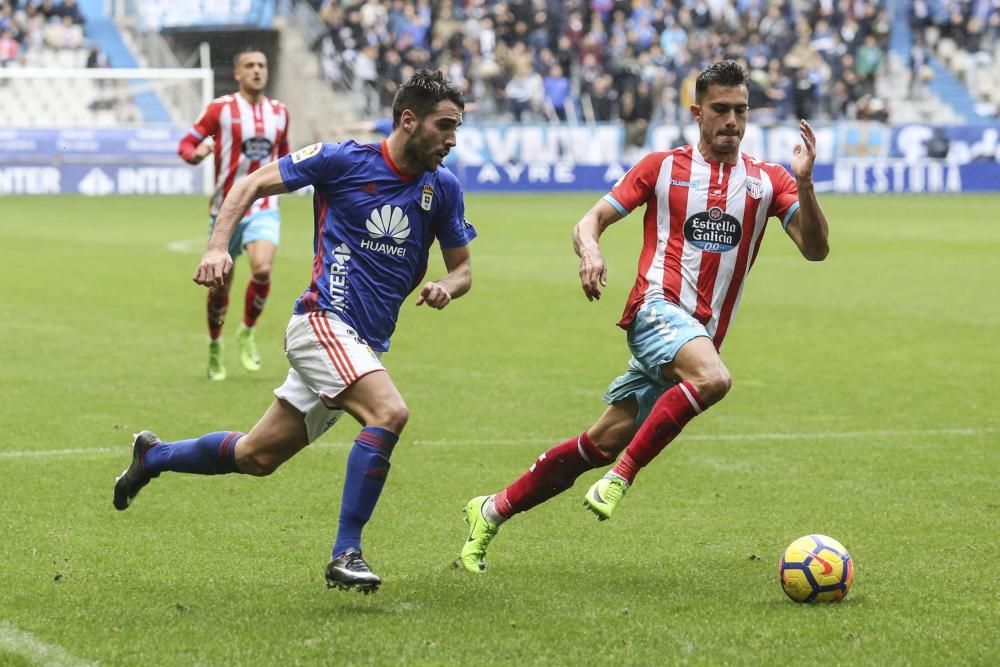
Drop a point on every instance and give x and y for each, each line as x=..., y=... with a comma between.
x=490, y=513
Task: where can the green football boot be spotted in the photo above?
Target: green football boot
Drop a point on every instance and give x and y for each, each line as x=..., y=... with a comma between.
x=216, y=369
x=248, y=349
x=603, y=496
x=481, y=532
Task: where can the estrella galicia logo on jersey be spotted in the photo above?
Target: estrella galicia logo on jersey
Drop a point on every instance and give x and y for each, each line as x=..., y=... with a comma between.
x=755, y=188
x=257, y=148
x=713, y=230
x=387, y=222
x=306, y=153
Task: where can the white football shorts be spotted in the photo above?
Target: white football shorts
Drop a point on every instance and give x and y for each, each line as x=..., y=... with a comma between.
x=326, y=356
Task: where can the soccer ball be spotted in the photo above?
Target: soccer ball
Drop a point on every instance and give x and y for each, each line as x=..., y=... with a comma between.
x=816, y=568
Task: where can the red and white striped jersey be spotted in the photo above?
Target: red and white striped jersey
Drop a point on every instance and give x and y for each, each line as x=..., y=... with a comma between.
x=247, y=136
x=703, y=226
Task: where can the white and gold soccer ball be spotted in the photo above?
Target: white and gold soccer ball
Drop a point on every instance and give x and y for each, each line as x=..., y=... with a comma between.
x=816, y=568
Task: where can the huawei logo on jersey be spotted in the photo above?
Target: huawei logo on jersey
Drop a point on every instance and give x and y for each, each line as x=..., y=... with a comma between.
x=388, y=221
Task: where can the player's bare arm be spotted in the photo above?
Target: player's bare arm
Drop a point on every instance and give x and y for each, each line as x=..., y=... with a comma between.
x=808, y=226
x=586, y=243
x=216, y=263
x=458, y=281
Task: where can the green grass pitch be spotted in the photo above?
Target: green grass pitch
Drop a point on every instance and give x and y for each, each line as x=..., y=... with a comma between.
x=864, y=406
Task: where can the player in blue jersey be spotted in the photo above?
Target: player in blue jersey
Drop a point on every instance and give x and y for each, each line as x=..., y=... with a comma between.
x=378, y=208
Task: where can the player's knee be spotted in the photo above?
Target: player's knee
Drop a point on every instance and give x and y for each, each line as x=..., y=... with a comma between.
x=712, y=386
x=392, y=416
x=611, y=440
x=262, y=273
x=610, y=448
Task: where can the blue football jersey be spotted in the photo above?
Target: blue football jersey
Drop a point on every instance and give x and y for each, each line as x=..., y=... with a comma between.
x=374, y=227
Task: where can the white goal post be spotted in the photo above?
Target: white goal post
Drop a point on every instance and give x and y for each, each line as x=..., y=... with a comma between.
x=107, y=117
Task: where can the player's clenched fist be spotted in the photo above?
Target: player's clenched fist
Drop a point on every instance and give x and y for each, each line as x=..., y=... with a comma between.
x=215, y=265
x=434, y=295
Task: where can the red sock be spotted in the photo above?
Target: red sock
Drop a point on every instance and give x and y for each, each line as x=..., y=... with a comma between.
x=218, y=305
x=671, y=413
x=553, y=472
x=253, y=302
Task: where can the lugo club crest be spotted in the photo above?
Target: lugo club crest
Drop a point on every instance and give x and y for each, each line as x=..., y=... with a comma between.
x=713, y=230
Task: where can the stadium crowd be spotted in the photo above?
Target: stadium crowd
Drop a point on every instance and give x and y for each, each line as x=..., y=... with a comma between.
x=964, y=34
x=631, y=61
x=973, y=25
x=27, y=24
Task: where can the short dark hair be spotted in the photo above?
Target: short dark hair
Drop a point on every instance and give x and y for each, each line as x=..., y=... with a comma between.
x=247, y=49
x=421, y=94
x=726, y=73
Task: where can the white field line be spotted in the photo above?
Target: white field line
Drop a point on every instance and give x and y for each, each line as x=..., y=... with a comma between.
x=197, y=246
x=187, y=246
x=34, y=650
x=541, y=442
x=39, y=453
x=751, y=437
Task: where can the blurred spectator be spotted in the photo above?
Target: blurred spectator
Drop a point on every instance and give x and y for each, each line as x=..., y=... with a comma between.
x=69, y=8
x=868, y=59
x=48, y=9
x=920, y=71
x=601, y=101
x=524, y=91
x=557, y=99
x=366, y=71
x=938, y=144
x=636, y=112
x=9, y=48
x=64, y=34
x=96, y=58
x=7, y=18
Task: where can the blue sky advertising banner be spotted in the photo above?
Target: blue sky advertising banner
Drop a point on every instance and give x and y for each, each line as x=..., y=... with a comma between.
x=851, y=158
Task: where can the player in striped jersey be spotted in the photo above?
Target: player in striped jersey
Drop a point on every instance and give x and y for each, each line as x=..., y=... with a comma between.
x=706, y=209
x=378, y=209
x=245, y=131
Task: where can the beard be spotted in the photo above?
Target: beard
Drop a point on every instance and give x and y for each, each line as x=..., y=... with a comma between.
x=419, y=153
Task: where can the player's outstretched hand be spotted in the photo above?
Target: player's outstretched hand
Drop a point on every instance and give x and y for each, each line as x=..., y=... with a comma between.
x=434, y=295
x=215, y=265
x=804, y=154
x=593, y=274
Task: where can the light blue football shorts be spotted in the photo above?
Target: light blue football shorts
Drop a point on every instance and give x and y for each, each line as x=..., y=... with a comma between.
x=264, y=225
x=660, y=329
